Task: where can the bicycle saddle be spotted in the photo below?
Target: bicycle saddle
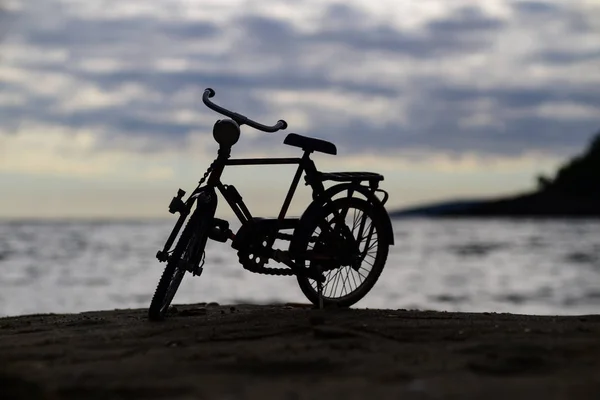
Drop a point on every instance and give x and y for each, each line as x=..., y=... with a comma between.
x=310, y=144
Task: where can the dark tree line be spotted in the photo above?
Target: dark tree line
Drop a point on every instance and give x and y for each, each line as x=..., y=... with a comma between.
x=579, y=176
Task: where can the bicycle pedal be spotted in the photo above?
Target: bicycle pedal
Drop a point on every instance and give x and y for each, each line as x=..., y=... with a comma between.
x=220, y=231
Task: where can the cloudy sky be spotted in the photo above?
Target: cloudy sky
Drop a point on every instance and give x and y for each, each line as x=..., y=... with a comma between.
x=101, y=112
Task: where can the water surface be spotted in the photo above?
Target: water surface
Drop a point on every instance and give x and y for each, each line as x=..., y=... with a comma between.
x=518, y=266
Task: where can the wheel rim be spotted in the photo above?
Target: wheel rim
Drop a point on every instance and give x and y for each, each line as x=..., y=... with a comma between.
x=342, y=281
x=177, y=276
x=173, y=286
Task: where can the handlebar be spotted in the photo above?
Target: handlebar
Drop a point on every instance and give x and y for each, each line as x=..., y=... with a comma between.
x=239, y=118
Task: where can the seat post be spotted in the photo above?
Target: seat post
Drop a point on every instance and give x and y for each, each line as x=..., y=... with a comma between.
x=311, y=176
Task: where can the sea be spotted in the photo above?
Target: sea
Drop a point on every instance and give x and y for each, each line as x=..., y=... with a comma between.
x=545, y=267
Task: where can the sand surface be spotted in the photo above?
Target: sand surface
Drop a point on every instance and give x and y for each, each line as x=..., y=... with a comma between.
x=292, y=352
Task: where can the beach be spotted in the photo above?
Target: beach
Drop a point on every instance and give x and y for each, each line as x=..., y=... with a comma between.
x=290, y=351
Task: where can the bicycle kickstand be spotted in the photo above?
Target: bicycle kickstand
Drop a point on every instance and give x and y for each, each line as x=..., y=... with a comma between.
x=320, y=288
x=320, y=291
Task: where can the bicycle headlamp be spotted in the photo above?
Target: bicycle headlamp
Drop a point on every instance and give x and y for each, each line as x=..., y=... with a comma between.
x=226, y=132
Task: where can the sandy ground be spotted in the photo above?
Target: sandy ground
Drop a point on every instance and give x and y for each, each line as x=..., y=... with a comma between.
x=292, y=352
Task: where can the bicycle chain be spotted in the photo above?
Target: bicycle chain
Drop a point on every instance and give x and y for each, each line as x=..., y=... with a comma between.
x=211, y=167
x=208, y=171
x=248, y=264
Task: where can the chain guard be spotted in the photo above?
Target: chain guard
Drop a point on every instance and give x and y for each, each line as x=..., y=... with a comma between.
x=248, y=261
x=253, y=254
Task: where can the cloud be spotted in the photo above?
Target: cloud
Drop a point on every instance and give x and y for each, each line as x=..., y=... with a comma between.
x=54, y=150
x=467, y=20
x=502, y=78
x=538, y=8
x=568, y=57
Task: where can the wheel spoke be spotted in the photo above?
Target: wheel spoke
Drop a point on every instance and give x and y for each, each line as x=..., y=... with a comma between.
x=330, y=276
x=361, y=227
x=372, y=246
x=369, y=255
x=356, y=285
x=342, y=281
x=366, y=262
x=367, y=243
x=361, y=275
x=354, y=222
x=348, y=269
x=337, y=280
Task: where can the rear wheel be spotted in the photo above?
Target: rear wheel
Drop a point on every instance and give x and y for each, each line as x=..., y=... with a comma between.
x=187, y=254
x=349, y=236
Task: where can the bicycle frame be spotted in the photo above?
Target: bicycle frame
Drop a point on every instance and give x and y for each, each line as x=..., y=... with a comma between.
x=234, y=199
x=305, y=165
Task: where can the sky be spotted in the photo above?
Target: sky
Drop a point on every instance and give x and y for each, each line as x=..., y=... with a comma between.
x=101, y=112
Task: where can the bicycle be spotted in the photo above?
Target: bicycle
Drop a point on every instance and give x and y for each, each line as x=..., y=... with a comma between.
x=344, y=227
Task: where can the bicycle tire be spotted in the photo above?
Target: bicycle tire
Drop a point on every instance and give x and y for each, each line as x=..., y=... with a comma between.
x=193, y=237
x=319, y=220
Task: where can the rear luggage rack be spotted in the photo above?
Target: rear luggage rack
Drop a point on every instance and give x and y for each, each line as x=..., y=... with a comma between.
x=350, y=176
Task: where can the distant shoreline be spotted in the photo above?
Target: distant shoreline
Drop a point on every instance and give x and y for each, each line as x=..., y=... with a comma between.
x=526, y=206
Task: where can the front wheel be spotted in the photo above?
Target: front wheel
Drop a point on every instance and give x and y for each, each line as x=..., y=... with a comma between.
x=187, y=253
x=350, y=238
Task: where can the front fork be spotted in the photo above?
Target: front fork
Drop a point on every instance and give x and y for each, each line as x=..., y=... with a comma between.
x=204, y=197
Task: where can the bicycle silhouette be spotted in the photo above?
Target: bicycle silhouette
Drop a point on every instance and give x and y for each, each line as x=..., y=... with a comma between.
x=341, y=241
